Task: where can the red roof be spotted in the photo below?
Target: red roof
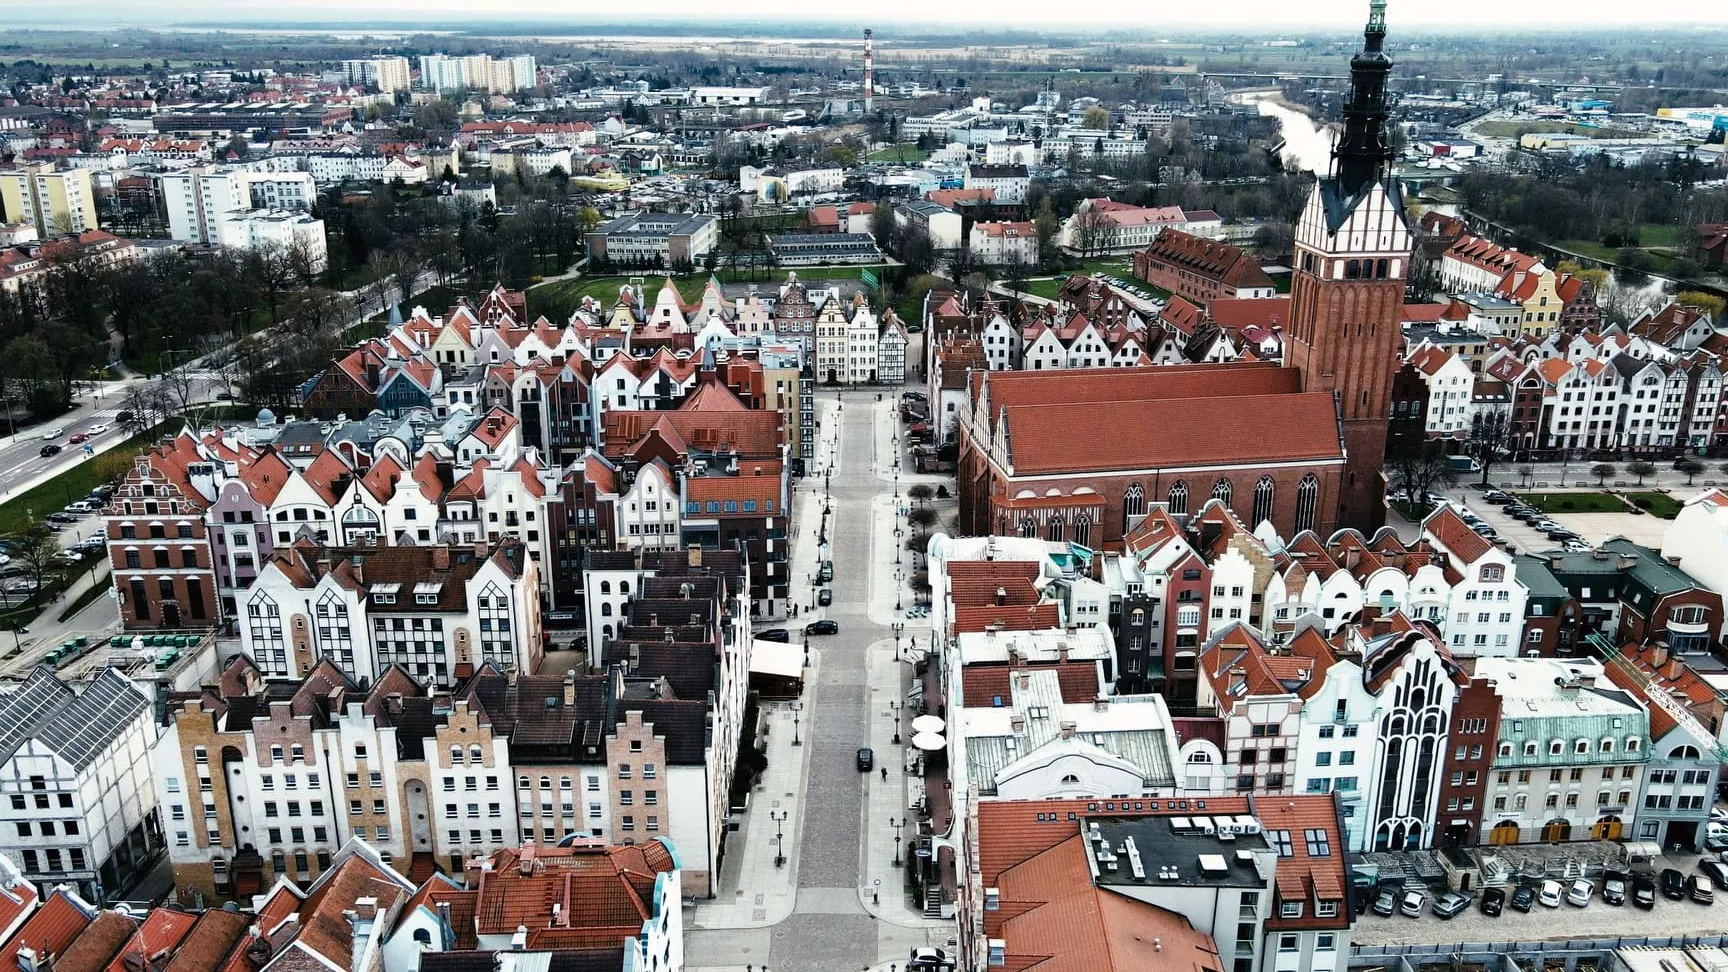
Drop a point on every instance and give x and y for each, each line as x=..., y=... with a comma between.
x=51, y=930
x=982, y=685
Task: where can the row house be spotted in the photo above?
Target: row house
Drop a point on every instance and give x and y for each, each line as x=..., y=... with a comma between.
x=197, y=518
x=1215, y=885
x=1549, y=302
x=438, y=612
x=1570, y=755
x=1622, y=591
x=1473, y=264
x=1686, y=746
x=262, y=781
x=1450, y=390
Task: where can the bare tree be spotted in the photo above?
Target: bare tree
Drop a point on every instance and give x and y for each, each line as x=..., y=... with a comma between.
x=1091, y=230
x=1490, y=439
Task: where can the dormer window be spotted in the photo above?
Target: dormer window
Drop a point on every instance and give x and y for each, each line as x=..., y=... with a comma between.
x=1290, y=909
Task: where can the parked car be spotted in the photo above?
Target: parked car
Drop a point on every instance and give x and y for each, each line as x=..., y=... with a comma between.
x=1386, y=903
x=774, y=634
x=61, y=518
x=1699, y=890
x=1550, y=895
x=1673, y=884
x=1483, y=529
x=866, y=760
x=1614, y=889
x=1644, y=893
x=1493, y=902
x=823, y=627
x=1497, y=498
x=1412, y=904
x=1524, y=898
x=1450, y=904
x=1716, y=871
x=1580, y=892
x=825, y=573
x=825, y=597
x=49, y=450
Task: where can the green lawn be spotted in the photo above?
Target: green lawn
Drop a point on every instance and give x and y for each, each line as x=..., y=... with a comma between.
x=1657, y=504
x=1573, y=502
x=1658, y=234
x=909, y=151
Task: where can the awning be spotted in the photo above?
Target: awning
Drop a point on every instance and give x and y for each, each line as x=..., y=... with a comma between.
x=777, y=658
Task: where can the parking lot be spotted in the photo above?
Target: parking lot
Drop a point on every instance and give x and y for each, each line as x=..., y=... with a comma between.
x=1593, y=527
x=1598, y=919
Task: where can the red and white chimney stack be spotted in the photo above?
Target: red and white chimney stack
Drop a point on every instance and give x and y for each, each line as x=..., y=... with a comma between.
x=869, y=80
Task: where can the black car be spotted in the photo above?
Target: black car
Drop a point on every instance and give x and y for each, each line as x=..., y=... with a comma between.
x=1524, y=898
x=1614, y=888
x=49, y=450
x=825, y=597
x=866, y=760
x=1493, y=902
x=774, y=634
x=1644, y=893
x=1673, y=884
x=825, y=626
x=1497, y=498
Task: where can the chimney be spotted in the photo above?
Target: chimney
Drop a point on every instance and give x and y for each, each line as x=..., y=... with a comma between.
x=519, y=941
x=481, y=550
x=1067, y=730
x=366, y=908
x=570, y=686
x=1001, y=596
x=1100, y=703
x=695, y=553
x=441, y=557
x=525, y=862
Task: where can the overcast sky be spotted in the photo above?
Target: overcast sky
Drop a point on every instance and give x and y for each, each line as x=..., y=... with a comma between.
x=1249, y=16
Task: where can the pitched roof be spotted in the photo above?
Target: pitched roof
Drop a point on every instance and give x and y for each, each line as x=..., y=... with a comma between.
x=602, y=895
x=98, y=944
x=51, y=930
x=76, y=725
x=1208, y=259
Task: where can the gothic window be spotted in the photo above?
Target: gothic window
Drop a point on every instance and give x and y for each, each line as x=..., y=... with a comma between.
x=1053, y=530
x=1082, y=529
x=1352, y=269
x=1179, y=497
x=1307, y=498
x=1221, y=491
x=1133, y=501
x=1028, y=527
x=1264, y=492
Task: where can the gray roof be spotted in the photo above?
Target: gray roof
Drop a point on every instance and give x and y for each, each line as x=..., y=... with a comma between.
x=76, y=725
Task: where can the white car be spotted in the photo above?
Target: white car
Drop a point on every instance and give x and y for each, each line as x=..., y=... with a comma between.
x=1550, y=894
x=1580, y=893
x=52, y=434
x=95, y=430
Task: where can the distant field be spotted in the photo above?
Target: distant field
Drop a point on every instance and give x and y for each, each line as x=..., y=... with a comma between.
x=1514, y=129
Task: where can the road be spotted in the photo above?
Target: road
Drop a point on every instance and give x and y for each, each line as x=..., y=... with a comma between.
x=847, y=911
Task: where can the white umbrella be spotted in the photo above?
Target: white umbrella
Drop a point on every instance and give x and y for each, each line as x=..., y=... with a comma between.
x=928, y=723
x=929, y=741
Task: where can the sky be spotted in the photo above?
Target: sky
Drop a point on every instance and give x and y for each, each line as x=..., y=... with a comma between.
x=1248, y=16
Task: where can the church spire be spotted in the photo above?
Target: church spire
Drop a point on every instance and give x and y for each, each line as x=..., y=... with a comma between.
x=1363, y=154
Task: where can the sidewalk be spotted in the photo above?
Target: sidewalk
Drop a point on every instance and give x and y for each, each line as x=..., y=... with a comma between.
x=754, y=892
x=883, y=890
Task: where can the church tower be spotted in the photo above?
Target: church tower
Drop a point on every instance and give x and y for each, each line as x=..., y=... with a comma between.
x=1352, y=254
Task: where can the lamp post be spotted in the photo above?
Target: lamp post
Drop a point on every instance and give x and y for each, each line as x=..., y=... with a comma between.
x=898, y=573
x=897, y=824
x=779, y=817
x=797, y=710
x=895, y=707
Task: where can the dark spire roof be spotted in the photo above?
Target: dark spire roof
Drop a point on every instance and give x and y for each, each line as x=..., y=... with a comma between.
x=1363, y=155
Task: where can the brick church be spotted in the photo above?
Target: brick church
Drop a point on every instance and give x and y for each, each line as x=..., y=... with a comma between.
x=1081, y=455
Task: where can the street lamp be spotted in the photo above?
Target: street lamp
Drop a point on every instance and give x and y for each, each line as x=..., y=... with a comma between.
x=897, y=575
x=779, y=817
x=797, y=709
x=897, y=824
x=894, y=710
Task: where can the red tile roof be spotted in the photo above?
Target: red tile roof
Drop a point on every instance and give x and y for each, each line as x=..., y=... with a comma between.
x=162, y=930
x=603, y=893
x=1211, y=430
x=51, y=930
x=1447, y=527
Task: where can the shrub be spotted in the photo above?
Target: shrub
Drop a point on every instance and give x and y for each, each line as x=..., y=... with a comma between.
x=1568, y=505
x=1642, y=502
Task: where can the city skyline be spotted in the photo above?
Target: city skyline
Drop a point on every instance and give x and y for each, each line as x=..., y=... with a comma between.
x=1250, y=17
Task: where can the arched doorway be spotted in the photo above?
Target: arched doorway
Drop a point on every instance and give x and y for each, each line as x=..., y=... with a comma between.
x=1504, y=832
x=419, y=818
x=1607, y=828
x=1556, y=831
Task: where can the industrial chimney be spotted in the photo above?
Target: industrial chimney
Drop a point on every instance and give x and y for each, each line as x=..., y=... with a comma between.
x=869, y=81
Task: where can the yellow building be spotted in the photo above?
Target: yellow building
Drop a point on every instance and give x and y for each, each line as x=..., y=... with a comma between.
x=55, y=202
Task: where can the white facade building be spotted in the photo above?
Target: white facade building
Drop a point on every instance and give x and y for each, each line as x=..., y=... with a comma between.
x=75, y=772
x=253, y=229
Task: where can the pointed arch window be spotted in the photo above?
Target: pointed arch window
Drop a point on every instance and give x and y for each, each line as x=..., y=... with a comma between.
x=1307, y=499
x=1134, y=500
x=1179, y=497
x=1264, y=492
x=1053, y=529
x=1083, y=530
x=1029, y=526
x=1221, y=491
